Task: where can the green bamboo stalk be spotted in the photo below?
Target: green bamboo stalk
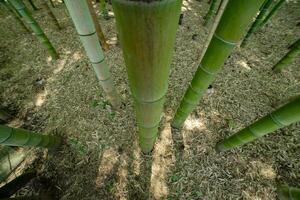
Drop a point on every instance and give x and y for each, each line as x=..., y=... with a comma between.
x=20, y=7
x=227, y=35
x=288, y=193
x=82, y=18
x=9, y=160
x=211, y=11
x=289, y=57
x=103, y=9
x=32, y=5
x=98, y=27
x=51, y=13
x=272, y=12
x=262, y=14
x=284, y=116
x=13, y=186
x=147, y=53
x=20, y=137
x=16, y=15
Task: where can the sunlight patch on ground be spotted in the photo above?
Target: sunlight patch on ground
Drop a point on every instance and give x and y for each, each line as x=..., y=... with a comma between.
x=263, y=170
x=163, y=160
x=192, y=123
x=109, y=159
x=60, y=66
x=112, y=40
x=77, y=55
x=122, y=178
x=40, y=98
x=243, y=64
x=136, y=158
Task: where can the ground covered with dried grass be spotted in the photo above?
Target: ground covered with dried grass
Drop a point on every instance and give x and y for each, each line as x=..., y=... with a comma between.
x=101, y=158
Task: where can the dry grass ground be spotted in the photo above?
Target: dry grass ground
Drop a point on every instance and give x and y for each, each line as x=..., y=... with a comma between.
x=101, y=159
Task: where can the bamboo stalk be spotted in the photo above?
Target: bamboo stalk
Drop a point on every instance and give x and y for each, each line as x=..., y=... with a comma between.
x=226, y=36
x=288, y=193
x=16, y=15
x=147, y=53
x=272, y=12
x=284, y=116
x=51, y=13
x=214, y=26
x=289, y=57
x=211, y=11
x=20, y=137
x=32, y=5
x=262, y=14
x=80, y=14
x=10, y=159
x=20, y=7
x=98, y=27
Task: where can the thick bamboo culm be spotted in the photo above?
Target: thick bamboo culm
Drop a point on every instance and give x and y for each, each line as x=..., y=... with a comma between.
x=82, y=18
x=147, y=53
x=289, y=57
x=288, y=193
x=19, y=137
x=226, y=37
x=98, y=27
x=16, y=15
x=284, y=116
x=262, y=14
x=51, y=13
x=211, y=11
x=214, y=26
x=272, y=12
x=23, y=11
x=32, y=5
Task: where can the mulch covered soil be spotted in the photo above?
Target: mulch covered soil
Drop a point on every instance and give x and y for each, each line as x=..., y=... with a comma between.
x=101, y=158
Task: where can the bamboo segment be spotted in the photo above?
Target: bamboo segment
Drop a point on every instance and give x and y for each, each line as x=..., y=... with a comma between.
x=214, y=26
x=272, y=12
x=262, y=14
x=289, y=57
x=20, y=137
x=80, y=14
x=98, y=27
x=288, y=193
x=23, y=11
x=51, y=13
x=147, y=53
x=16, y=15
x=32, y=5
x=284, y=116
x=226, y=36
x=212, y=11
x=9, y=160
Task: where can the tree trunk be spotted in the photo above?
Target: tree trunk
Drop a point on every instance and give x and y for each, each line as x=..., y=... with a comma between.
x=226, y=36
x=147, y=33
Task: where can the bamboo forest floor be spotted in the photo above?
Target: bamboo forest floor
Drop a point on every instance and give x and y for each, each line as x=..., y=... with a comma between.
x=101, y=158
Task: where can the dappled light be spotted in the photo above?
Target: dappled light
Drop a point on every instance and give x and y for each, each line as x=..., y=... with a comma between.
x=41, y=98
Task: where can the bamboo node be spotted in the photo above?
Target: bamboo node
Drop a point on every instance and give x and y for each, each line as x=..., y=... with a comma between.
x=223, y=40
x=206, y=71
x=276, y=121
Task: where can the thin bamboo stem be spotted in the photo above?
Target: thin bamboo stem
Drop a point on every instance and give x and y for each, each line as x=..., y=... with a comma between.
x=226, y=36
x=82, y=18
x=20, y=7
x=16, y=15
x=211, y=11
x=147, y=54
x=289, y=57
x=98, y=27
x=284, y=116
x=103, y=9
x=32, y=5
x=262, y=14
x=272, y=12
x=214, y=26
x=20, y=137
x=288, y=193
x=51, y=13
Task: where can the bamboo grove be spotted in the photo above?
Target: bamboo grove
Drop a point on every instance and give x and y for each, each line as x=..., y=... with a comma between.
x=147, y=33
